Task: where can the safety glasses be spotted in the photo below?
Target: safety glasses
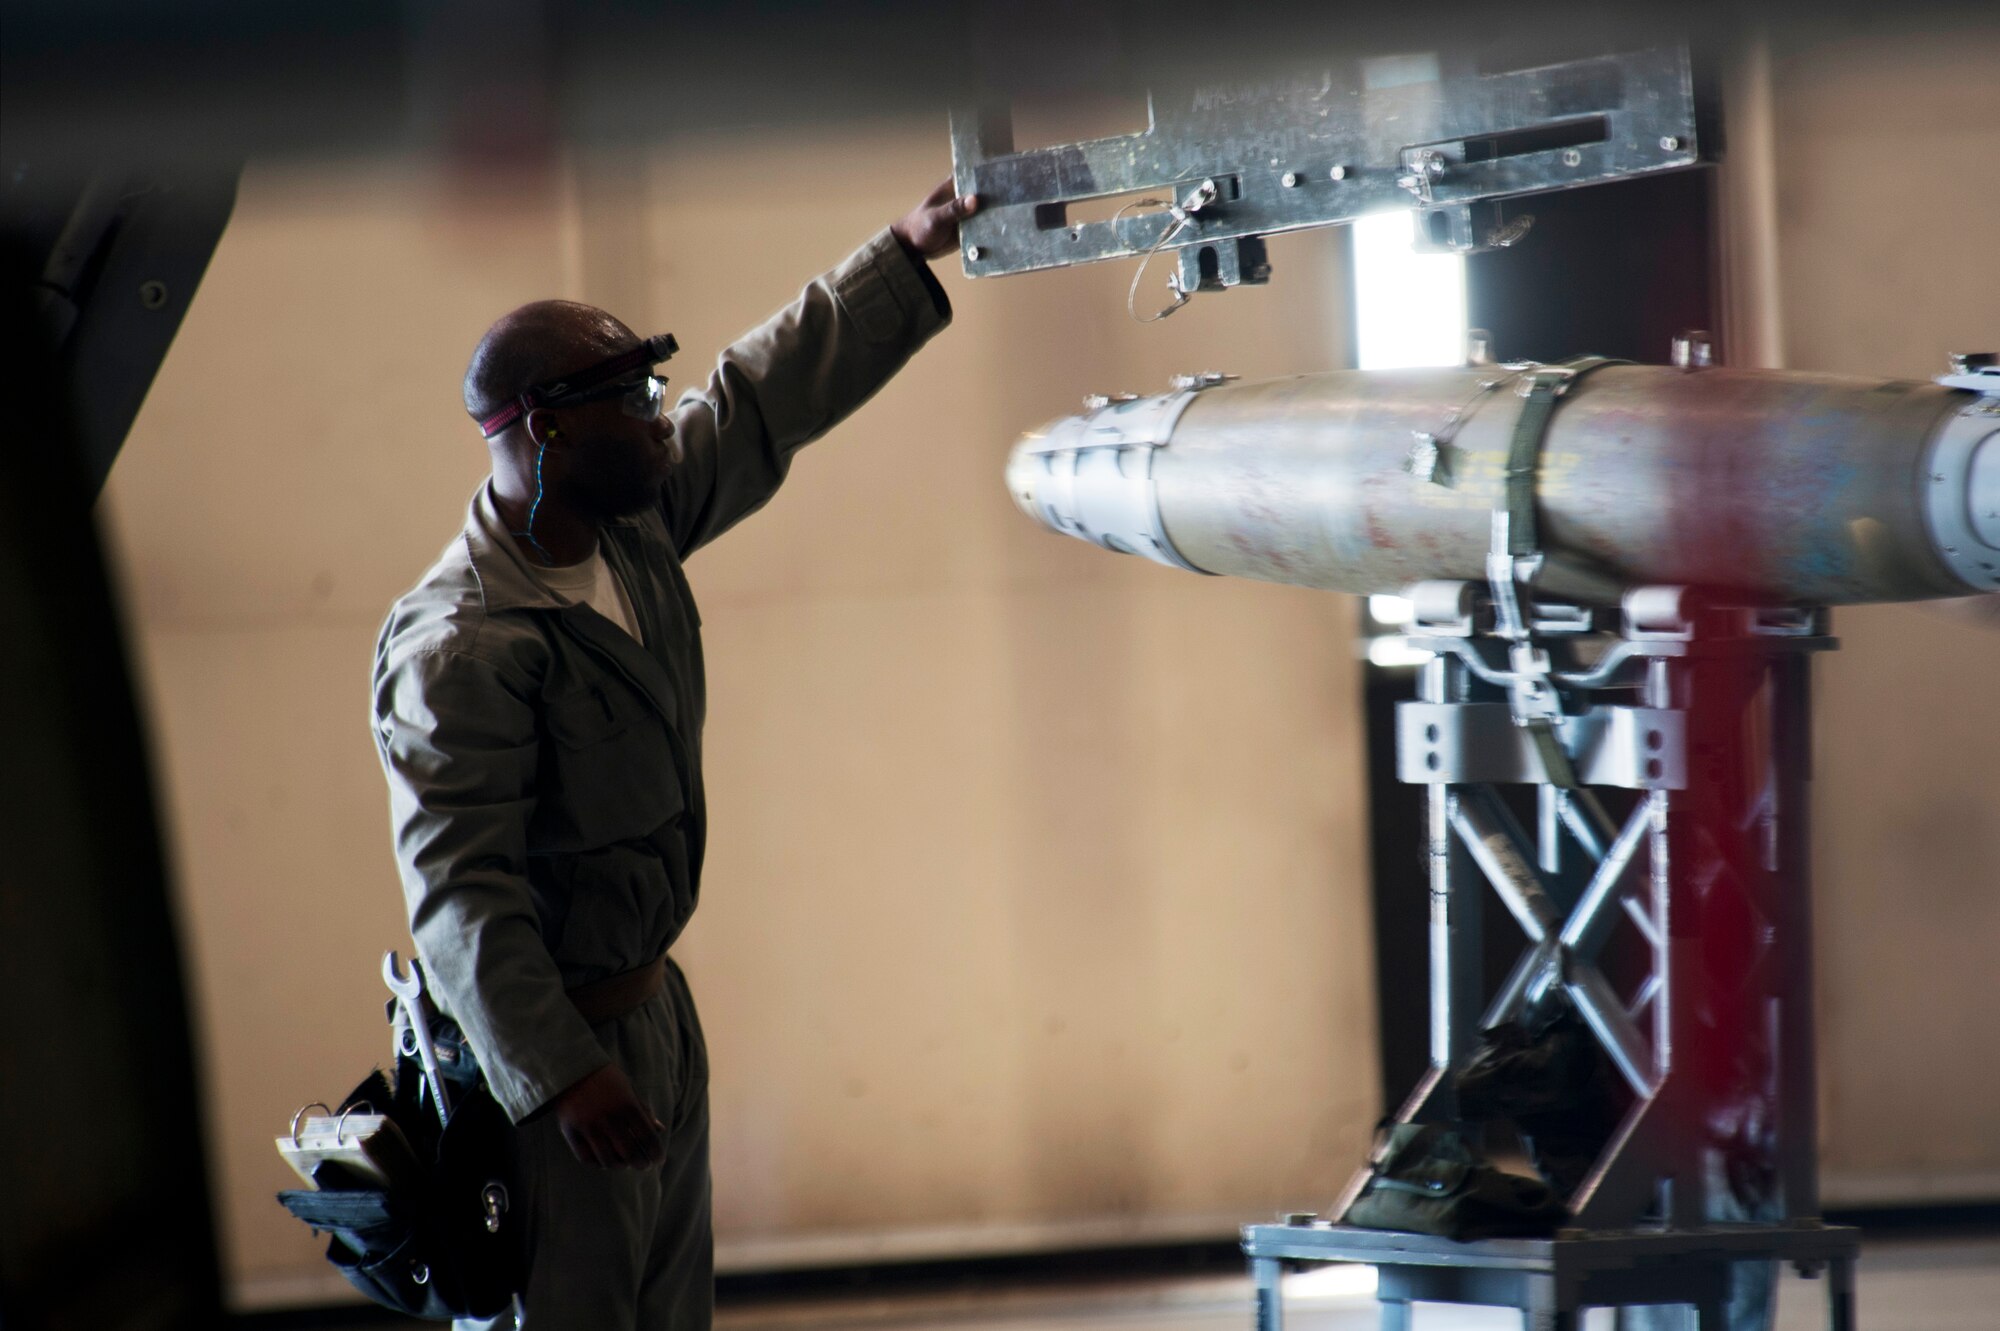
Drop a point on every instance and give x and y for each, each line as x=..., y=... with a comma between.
x=642, y=398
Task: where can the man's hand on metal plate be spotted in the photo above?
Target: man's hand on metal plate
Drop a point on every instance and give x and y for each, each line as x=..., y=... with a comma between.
x=607, y=1125
x=931, y=228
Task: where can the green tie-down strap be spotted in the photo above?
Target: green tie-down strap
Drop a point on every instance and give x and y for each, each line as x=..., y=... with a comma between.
x=1524, y=455
x=1545, y=386
x=1555, y=759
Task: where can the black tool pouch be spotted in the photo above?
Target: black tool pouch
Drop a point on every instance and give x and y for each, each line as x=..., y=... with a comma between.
x=1429, y=1180
x=450, y=1244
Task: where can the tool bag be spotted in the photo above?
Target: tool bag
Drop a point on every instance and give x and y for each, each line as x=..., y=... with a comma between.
x=1552, y=1080
x=1429, y=1180
x=448, y=1243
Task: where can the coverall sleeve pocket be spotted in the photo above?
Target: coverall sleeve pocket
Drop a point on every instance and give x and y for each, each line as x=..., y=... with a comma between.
x=870, y=304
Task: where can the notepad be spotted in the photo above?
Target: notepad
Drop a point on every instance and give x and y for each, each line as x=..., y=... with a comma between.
x=368, y=1146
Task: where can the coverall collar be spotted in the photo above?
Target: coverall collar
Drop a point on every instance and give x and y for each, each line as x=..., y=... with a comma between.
x=506, y=580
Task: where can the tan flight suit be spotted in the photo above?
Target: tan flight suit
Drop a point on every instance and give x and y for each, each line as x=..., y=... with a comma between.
x=545, y=788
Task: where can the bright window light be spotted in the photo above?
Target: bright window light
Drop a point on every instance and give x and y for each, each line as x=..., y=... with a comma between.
x=1391, y=609
x=1394, y=650
x=1332, y=1282
x=1409, y=308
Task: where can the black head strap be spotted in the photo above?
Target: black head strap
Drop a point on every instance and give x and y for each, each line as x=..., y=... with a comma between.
x=647, y=354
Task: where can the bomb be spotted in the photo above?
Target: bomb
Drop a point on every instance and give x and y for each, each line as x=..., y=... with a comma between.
x=1774, y=487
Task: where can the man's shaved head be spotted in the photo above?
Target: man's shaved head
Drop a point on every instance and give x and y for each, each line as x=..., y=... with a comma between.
x=564, y=467
x=535, y=344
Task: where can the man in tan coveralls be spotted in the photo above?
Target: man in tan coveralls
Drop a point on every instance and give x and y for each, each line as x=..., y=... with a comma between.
x=539, y=699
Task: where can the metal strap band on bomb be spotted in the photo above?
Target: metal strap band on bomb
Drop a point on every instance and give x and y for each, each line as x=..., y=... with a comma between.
x=1541, y=387
x=1533, y=697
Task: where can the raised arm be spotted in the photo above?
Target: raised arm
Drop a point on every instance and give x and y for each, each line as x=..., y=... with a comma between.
x=805, y=369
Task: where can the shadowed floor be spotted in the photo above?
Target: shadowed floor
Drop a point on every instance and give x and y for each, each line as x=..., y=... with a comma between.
x=1903, y=1286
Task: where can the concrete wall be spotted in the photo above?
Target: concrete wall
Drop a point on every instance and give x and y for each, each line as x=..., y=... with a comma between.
x=1034, y=908
x=1860, y=253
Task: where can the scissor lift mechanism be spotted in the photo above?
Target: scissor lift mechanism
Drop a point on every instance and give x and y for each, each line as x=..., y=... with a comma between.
x=1709, y=867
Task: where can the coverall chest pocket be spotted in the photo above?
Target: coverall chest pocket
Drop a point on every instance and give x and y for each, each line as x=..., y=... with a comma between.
x=606, y=772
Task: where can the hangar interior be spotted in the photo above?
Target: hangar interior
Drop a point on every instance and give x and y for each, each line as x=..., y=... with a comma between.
x=1042, y=916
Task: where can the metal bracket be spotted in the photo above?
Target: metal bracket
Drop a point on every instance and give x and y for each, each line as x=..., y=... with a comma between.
x=1215, y=265
x=1348, y=138
x=1636, y=748
x=1471, y=228
x=1974, y=371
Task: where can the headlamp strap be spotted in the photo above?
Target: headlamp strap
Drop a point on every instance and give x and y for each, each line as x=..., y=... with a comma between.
x=647, y=354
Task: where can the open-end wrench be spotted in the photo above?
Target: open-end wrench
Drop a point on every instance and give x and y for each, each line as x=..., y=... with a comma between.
x=409, y=990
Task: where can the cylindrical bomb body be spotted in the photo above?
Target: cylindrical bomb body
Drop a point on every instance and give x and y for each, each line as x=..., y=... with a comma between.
x=1783, y=488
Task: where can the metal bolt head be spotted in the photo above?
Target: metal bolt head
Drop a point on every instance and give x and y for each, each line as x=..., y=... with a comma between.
x=1421, y=167
x=153, y=295
x=1290, y=180
x=1571, y=157
x=975, y=252
x=1337, y=173
x=1694, y=349
x=1670, y=144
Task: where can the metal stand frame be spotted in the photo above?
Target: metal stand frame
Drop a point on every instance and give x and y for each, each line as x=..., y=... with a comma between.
x=1553, y=1280
x=1704, y=713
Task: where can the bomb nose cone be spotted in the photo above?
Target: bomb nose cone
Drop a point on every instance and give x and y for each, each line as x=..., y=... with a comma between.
x=1023, y=471
x=1091, y=476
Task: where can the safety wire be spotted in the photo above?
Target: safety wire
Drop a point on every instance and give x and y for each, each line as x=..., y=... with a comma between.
x=1183, y=214
x=1430, y=458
